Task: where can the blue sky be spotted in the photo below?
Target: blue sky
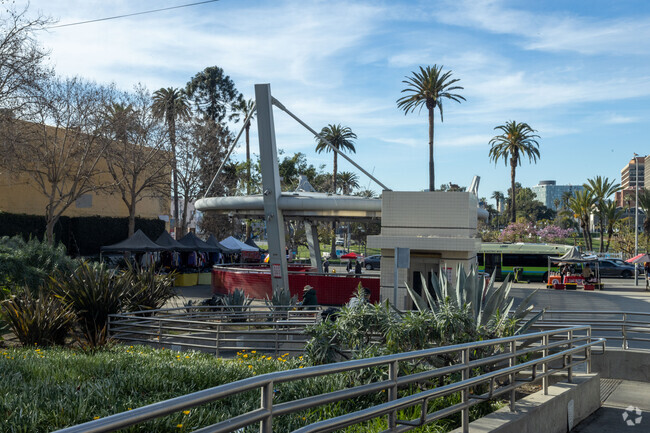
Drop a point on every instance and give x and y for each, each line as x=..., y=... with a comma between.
x=578, y=72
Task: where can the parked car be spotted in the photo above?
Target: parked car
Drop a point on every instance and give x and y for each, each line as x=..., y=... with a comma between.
x=372, y=262
x=609, y=268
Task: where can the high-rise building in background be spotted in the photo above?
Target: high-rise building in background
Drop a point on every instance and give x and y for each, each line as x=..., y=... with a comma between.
x=549, y=193
x=629, y=176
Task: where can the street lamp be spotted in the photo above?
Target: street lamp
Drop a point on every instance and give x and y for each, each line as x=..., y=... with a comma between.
x=636, y=217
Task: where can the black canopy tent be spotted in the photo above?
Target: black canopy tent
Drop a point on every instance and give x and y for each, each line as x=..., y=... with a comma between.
x=166, y=241
x=139, y=242
x=196, y=244
x=252, y=243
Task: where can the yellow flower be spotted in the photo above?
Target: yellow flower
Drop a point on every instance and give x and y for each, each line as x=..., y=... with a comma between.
x=128, y=408
x=186, y=412
x=269, y=358
x=245, y=356
x=300, y=357
x=253, y=351
x=301, y=367
x=187, y=356
x=95, y=417
x=250, y=366
x=179, y=425
x=286, y=354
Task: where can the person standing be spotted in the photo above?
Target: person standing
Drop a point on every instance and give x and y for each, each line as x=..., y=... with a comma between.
x=326, y=266
x=646, y=269
x=357, y=268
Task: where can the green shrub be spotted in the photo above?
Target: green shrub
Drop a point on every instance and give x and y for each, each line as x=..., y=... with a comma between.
x=93, y=292
x=149, y=290
x=41, y=320
x=29, y=263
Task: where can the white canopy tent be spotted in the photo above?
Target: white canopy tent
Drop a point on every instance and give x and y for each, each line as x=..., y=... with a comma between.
x=235, y=244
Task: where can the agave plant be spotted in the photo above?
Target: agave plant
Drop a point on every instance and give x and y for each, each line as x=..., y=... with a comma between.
x=281, y=301
x=41, y=320
x=490, y=306
x=93, y=292
x=149, y=290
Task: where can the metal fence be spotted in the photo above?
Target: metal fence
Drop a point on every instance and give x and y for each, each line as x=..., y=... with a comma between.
x=479, y=371
x=630, y=330
x=222, y=330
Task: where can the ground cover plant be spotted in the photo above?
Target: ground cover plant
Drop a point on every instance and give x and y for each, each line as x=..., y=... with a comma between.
x=45, y=389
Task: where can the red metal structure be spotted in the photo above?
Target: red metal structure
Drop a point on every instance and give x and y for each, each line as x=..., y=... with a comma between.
x=255, y=281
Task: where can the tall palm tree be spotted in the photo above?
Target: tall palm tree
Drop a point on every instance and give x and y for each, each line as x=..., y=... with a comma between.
x=613, y=214
x=497, y=196
x=349, y=181
x=581, y=204
x=119, y=117
x=341, y=138
x=242, y=109
x=427, y=88
x=644, y=203
x=516, y=141
x=602, y=188
x=171, y=104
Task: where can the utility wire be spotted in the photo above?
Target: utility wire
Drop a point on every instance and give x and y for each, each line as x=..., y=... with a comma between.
x=131, y=15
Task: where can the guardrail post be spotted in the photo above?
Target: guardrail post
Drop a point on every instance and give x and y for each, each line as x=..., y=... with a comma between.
x=512, y=362
x=545, y=364
x=624, y=331
x=393, y=370
x=570, y=370
x=465, y=391
x=589, y=350
x=266, y=425
x=217, y=343
x=159, y=333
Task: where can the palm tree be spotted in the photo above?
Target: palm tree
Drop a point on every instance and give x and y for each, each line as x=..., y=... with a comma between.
x=566, y=196
x=612, y=214
x=171, y=104
x=497, y=196
x=428, y=88
x=582, y=204
x=120, y=120
x=602, y=189
x=349, y=181
x=341, y=138
x=242, y=109
x=516, y=141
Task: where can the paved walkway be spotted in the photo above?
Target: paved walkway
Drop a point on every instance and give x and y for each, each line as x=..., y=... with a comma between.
x=626, y=407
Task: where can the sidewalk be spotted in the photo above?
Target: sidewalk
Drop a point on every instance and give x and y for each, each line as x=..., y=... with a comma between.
x=616, y=413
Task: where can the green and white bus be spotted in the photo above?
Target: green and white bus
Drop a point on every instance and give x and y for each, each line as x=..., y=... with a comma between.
x=531, y=258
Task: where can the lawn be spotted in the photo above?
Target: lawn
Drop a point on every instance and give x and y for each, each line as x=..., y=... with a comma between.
x=48, y=389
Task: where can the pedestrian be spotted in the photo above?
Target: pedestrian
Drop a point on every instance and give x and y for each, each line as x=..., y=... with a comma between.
x=348, y=267
x=646, y=269
x=326, y=266
x=309, y=296
x=357, y=268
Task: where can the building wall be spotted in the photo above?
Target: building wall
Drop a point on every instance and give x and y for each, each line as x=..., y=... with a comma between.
x=547, y=194
x=629, y=175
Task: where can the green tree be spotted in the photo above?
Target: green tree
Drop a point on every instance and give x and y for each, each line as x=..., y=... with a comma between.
x=243, y=108
x=613, y=215
x=581, y=204
x=171, y=104
x=341, y=138
x=427, y=88
x=497, y=196
x=213, y=93
x=516, y=141
x=602, y=189
x=348, y=181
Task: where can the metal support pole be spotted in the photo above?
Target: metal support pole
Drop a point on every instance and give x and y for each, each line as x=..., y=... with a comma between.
x=311, y=232
x=511, y=363
x=465, y=391
x=589, y=351
x=570, y=370
x=393, y=369
x=636, y=217
x=266, y=425
x=624, y=330
x=545, y=364
x=271, y=188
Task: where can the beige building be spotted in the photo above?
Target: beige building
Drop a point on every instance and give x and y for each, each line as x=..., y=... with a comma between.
x=440, y=230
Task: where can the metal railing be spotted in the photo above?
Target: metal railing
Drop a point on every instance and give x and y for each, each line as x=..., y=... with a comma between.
x=631, y=329
x=478, y=371
x=222, y=330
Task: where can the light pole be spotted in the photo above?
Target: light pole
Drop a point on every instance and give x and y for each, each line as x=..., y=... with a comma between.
x=636, y=217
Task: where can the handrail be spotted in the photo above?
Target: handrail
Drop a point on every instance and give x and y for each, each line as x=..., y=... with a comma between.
x=633, y=326
x=577, y=340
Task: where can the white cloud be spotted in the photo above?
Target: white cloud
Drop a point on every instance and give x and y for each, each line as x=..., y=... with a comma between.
x=617, y=119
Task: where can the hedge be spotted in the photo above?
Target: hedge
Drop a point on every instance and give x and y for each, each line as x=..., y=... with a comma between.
x=82, y=236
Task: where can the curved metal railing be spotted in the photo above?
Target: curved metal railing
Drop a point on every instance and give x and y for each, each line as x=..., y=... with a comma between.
x=548, y=352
